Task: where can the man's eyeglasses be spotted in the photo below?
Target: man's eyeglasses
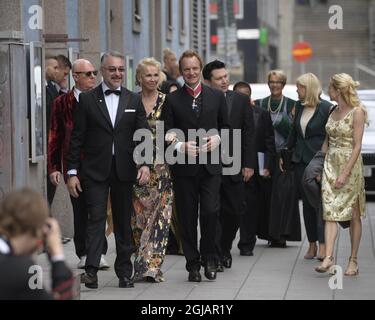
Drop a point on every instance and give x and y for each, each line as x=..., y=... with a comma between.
x=114, y=69
x=88, y=73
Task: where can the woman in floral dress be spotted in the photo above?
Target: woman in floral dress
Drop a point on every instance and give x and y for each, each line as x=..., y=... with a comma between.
x=152, y=202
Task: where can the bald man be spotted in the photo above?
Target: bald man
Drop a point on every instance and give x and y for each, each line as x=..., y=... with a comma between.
x=84, y=75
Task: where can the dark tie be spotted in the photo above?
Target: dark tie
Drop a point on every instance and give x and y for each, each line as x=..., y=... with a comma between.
x=116, y=92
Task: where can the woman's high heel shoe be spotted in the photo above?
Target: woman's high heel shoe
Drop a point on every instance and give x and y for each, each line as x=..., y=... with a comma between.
x=324, y=267
x=354, y=271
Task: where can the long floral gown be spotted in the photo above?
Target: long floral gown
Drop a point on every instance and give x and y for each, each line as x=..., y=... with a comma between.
x=338, y=203
x=152, y=213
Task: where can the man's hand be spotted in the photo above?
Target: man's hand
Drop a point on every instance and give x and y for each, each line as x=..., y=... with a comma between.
x=266, y=173
x=74, y=187
x=212, y=143
x=143, y=175
x=190, y=148
x=281, y=165
x=55, y=178
x=247, y=174
x=171, y=137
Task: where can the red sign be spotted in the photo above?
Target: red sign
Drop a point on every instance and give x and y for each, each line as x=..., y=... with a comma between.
x=302, y=51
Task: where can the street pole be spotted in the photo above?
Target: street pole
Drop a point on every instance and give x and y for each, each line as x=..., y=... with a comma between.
x=303, y=64
x=226, y=26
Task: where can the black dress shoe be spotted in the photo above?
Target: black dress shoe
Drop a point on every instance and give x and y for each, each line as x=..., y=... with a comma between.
x=246, y=252
x=195, y=276
x=210, y=271
x=227, y=262
x=90, y=280
x=126, y=283
x=219, y=267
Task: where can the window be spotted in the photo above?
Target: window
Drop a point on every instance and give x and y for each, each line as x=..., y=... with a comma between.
x=137, y=17
x=169, y=20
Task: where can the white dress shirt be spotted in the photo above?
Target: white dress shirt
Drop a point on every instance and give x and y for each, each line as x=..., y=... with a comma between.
x=112, y=102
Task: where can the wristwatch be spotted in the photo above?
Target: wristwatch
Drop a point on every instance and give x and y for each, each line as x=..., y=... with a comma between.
x=71, y=175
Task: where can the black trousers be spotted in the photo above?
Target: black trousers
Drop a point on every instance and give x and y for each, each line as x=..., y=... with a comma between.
x=313, y=219
x=232, y=208
x=80, y=216
x=193, y=194
x=51, y=191
x=96, y=193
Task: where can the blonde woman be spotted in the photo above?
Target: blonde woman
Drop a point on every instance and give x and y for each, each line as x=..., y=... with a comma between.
x=152, y=202
x=343, y=192
x=306, y=139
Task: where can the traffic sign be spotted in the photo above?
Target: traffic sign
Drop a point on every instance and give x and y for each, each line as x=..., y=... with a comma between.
x=302, y=51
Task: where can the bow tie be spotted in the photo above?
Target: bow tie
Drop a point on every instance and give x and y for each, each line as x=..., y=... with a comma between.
x=116, y=92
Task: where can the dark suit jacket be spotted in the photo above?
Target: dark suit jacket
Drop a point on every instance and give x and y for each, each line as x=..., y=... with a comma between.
x=265, y=137
x=241, y=117
x=178, y=114
x=306, y=147
x=51, y=95
x=94, y=135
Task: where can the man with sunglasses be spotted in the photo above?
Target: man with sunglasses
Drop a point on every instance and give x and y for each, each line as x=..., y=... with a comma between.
x=105, y=122
x=84, y=75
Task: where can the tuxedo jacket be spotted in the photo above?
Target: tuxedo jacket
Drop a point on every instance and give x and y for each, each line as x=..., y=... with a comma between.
x=179, y=114
x=240, y=117
x=305, y=147
x=94, y=135
x=60, y=132
x=264, y=137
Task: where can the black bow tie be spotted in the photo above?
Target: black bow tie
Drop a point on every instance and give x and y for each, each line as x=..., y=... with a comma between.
x=116, y=92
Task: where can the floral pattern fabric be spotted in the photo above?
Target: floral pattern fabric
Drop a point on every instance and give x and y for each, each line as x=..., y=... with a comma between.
x=152, y=213
x=338, y=203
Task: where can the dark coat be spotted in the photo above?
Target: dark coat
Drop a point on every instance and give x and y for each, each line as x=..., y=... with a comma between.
x=305, y=147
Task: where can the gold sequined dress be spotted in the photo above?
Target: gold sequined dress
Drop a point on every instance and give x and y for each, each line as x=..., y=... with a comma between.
x=338, y=203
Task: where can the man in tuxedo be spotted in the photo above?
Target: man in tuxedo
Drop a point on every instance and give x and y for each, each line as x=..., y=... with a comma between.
x=232, y=193
x=104, y=125
x=258, y=190
x=84, y=75
x=196, y=185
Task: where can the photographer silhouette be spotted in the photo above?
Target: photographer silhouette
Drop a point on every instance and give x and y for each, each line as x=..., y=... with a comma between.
x=24, y=229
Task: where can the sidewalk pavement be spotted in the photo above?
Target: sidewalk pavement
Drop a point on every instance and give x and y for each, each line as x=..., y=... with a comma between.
x=271, y=274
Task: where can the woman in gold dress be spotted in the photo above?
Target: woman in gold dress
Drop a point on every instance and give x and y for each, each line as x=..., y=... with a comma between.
x=343, y=192
x=152, y=202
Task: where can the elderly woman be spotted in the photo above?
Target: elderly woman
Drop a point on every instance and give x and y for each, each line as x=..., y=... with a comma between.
x=152, y=202
x=343, y=192
x=281, y=110
x=306, y=139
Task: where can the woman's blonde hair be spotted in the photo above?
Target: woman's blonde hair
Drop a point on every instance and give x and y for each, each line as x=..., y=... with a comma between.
x=345, y=84
x=313, y=89
x=141, y=69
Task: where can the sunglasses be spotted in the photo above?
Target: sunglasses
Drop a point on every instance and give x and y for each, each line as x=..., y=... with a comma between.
x=88, y=73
